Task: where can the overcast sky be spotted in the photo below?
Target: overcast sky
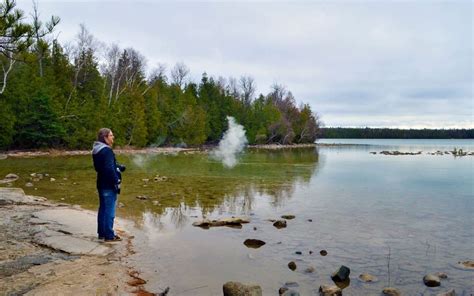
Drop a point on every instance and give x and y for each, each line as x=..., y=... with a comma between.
x=402, y=64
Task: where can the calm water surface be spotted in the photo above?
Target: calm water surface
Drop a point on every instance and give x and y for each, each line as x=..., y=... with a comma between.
x=396, y=217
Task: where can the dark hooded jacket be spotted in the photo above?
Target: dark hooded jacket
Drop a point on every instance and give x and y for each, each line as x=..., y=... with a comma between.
x=105, y=165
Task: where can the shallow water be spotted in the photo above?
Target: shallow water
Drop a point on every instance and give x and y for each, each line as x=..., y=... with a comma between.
x=396, y=217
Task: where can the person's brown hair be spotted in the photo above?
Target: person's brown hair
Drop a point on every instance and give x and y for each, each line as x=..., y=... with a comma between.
x=102, y=134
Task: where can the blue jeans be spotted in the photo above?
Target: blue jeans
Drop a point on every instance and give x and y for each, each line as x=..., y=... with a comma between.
x=105, y=218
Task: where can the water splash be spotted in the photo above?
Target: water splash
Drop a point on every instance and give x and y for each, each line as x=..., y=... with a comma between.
x=232, y=143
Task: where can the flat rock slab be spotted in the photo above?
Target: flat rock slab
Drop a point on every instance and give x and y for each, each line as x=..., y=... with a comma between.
x=17, y=196
x=74, y=245
x=69, y=230
x=70, y=221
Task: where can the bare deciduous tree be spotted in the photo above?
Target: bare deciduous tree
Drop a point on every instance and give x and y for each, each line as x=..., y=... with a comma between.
x=84, y=43
x=110, y=68
x=248, y=87
x=233, y=88
x=158, y=73
x=179, y=74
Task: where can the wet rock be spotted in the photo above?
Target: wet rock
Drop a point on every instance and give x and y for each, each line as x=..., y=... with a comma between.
x=288, y=217
x=9, y=178
x=298, y=253
x=292, y=265
x=343, y=284
x=253, y=243
x=328, y=290
x=341, y=274
x=290, y=293
x=255, y=228
x=323, y=252
x=441, y=275
x=391, y=292
x=310, y=220
x=280, y=224
x=291, y=284
x=310, y=252
x=431, y=280
x=367, y=278
x=309, y=269
x=239, y=289
x=451, y=292
x=233, y=221
x=282, y=290
x=142, y=197
x=467, y=264
x=159, y=178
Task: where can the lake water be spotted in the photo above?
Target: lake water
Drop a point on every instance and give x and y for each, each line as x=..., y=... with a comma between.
x=395, y=217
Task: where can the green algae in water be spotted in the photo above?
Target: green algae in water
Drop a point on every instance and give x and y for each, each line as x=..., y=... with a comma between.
x=194, y=180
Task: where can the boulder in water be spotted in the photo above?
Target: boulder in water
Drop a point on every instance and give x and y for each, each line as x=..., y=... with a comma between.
x=239, y=289
x=253, y=243
x=391, y=291
x=329, y=290
x=432, y=280
x=367, y=278
x=280, y=224
x=341, y=274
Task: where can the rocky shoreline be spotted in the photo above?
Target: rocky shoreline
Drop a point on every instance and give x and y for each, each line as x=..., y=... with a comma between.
x=131, y=150
x=52, y=249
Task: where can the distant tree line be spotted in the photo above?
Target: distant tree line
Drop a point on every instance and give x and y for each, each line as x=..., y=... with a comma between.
x=388, y=133
x=58, y=95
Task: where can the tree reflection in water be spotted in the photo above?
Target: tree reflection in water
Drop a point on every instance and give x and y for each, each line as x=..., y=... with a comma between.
x=199, y=186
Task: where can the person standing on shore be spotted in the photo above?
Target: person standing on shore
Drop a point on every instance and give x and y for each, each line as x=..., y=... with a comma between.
x=108, y=183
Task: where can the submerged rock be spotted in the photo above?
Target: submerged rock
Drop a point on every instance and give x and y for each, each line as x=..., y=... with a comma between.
x=341, y=274
x=431, y=280
x=280, y=224
x=309, y=269
x=9, y=178
x=367, y=278
x=253, y=243
x=451, y=292
x=323, y=252
x=292, y=265
x=142, y=197
x=391, y=292
x=288, y=217
x=239, y=289
x=233, y=222
x=441, y=275
x=290, y=293
x=467, y=264
x=328, y=290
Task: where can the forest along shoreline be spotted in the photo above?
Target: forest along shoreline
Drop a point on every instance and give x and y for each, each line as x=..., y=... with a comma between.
x=47, y=248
